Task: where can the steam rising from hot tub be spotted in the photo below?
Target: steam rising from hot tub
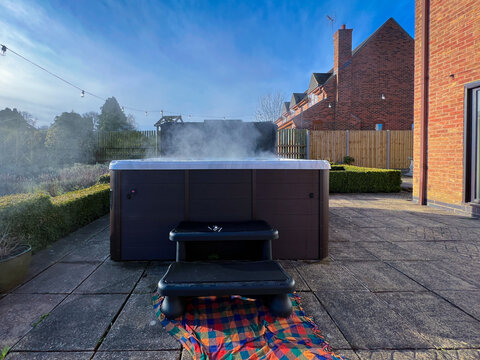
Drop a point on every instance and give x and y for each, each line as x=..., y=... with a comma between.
x=218, y=139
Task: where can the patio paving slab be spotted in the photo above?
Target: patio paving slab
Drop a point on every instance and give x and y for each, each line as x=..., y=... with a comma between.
x=378, y=276
x=113, y=277
x=468, y=301
x=137, y=355
x=431, y=275
x=18, y=315
x=85, y=355
x=329, y=330
x=441, y=323
x=411, y=355
x=368, y=323
x=94, y=250
x=137, y=328
x=76, y=324
x=291, y=267
x=61, y=278
x=349, y=251
x=397, y=251
x=328, y=276
x=150, y=278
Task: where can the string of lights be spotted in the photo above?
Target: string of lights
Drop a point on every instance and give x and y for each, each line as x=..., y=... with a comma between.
x=83, y=92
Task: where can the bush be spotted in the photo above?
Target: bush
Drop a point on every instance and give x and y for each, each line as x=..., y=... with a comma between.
x=104, y=179
x=39, y=219
x=362, y=180
x=348, y=160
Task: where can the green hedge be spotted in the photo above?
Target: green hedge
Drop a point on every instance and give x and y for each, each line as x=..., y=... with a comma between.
x=39, y=219
x=356, y=179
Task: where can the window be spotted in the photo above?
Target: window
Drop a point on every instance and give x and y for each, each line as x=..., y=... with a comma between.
x=472, y=143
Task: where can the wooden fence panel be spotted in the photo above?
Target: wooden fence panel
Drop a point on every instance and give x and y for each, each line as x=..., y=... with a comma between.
x=328, y=145
x=401, y=148
x=369, y=148
x=113, y=145
x=292, y=143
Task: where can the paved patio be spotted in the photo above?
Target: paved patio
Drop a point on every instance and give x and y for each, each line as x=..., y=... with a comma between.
x=401, y=282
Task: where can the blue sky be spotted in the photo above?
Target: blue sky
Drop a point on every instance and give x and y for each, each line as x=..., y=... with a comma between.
x=203, y=58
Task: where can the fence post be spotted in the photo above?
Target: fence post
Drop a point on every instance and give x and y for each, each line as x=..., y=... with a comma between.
x=388, y=149
x=348, y=143
x=308, y=145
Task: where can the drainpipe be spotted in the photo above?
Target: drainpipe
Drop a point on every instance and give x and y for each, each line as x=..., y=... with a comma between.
x=422, y=196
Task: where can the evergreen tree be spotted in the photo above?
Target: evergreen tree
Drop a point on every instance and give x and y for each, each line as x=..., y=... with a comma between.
x=112, y=118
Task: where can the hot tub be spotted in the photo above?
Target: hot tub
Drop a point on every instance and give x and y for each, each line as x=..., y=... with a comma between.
x=150, y=197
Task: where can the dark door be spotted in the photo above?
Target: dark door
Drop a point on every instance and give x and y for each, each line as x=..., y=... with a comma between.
x=473, y=146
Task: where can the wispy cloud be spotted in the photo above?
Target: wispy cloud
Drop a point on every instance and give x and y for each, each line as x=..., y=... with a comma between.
x=181, y=56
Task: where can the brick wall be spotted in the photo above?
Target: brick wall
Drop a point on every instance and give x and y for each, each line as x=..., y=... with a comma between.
x=454, y=50
x=383, y=65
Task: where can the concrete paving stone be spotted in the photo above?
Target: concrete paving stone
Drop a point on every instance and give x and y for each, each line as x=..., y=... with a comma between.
x=349, y=251
x=441, y=323
x=18, y=314
x=137, y=355
x=378, y=276
x=348, y=354
x=369, y=323
x=83, y=355
x=59, y=278
x=338, y=222
x=404, y=355
x=468, y=271
x=353, y=234
x=468, y=301
x=393, y=251
x=138, y=328
x=431, y=275
x=467, y=354
x=316, y=311
x=329, y=276
x=381, y=222
x=96, y=225
x=149, y=281
x=77, y=324
x=291, y=267
x=345, y=212
x=113, y=277
x=91, y=251
x=460, y=221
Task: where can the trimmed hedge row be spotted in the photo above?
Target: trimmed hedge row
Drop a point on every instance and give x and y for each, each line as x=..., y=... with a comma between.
x=39, y=219
x=355, y=179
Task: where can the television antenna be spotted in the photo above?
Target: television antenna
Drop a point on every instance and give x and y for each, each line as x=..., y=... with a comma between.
x=332, y=21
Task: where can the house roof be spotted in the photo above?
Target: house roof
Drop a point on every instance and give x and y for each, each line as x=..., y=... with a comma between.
x=317, y=80
x=372, y=35
x=296, y=98
x=286, y=107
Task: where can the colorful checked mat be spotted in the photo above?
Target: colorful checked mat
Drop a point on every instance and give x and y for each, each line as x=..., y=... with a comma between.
x=239, y=328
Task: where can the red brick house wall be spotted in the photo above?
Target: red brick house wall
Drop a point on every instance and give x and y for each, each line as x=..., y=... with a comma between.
x=383, y=64
x=454, y=60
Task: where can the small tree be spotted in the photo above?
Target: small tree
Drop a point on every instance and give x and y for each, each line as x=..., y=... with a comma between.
x=269, y=107
x=69, y=139
x=112, y=118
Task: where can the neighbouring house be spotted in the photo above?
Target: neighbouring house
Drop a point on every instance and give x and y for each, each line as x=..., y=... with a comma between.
x=447, y=105
x=373, y=84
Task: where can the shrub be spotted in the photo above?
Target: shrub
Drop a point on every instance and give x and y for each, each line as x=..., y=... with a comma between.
x=348, y=160
x=39, y=219
x=104, y=179
x=360, y=180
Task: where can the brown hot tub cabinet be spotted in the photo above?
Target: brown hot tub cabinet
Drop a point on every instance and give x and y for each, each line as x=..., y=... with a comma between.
x=150, y=197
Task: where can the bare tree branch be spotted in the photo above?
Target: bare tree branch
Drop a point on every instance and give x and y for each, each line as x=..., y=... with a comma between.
x=269, y=107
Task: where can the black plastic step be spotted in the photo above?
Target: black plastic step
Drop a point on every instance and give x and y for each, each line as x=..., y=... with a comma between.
x=223, y=231
x=225, y=278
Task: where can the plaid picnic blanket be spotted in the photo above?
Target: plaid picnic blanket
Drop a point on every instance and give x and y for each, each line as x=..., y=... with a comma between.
x=239, y=328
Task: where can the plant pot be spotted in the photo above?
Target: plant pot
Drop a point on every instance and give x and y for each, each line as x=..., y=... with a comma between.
x=13, y=269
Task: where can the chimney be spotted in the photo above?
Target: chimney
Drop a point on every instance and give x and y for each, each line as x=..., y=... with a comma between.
x=342, y=47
